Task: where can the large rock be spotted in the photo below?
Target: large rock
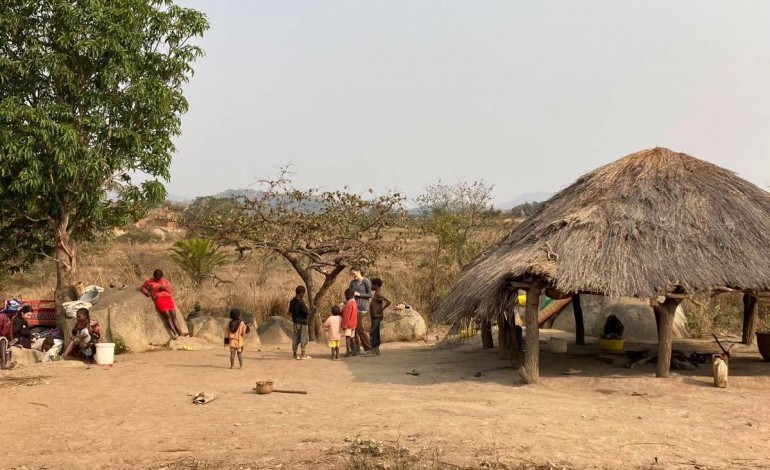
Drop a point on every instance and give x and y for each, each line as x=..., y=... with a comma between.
x=195, y=323
x=212, y=332
x=276, y=330
x=130, y=316
x=403, y=325
x=246, y=316
x=637, y=316
x=251, y=340
x=26, y=357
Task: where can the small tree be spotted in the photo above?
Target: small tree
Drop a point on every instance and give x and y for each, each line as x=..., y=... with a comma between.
x=319, y=233
x=454, y=216
x=198, y=259
x=90, y=95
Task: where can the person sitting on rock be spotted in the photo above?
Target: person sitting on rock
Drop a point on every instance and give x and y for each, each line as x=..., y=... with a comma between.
x=158, y=288
x=85, y=335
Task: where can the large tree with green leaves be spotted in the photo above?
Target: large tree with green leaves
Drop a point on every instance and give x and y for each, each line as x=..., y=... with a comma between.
x=91, y=95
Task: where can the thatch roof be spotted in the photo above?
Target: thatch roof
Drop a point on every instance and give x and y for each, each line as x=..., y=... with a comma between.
x=648, y=224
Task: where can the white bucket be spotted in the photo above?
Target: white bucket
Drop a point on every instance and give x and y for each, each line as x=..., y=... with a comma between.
x=557, y=345
x=105, y=353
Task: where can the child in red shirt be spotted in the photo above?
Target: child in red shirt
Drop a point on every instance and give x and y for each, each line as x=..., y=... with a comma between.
x=350, y=322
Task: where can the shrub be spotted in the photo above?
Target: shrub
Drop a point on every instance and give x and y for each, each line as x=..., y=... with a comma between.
x=198, y=259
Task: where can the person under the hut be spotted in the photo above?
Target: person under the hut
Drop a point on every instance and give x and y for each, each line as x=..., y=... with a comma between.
x=613, y=328
x=158, y=288
x=85, y=335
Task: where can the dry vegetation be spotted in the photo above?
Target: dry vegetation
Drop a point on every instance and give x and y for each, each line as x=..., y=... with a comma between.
x=262, y=283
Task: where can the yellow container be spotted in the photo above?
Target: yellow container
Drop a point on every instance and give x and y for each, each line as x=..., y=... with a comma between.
x=523, y=300
x=613, y=345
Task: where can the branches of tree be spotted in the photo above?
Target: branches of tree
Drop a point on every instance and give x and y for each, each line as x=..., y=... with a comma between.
x=319, y=233
x=90, y=94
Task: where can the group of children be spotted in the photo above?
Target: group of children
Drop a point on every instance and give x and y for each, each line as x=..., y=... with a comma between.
x=345, y=321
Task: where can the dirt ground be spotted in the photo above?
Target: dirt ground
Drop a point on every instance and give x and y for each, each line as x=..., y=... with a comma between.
x=463, y=410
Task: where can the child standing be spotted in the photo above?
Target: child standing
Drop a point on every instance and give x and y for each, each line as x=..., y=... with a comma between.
x=377, y=310
x=350, y=322
x=333, y=326
x=236, y=330
x=299, y=316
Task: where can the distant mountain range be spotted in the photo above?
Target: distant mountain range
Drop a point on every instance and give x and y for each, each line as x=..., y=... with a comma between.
x=538, y=196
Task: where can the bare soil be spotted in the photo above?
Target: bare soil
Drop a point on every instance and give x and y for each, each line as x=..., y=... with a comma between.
x=465, y=409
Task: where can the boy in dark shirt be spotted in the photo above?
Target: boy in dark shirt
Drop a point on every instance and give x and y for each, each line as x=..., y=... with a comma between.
x=299, y=316
x=377, y=309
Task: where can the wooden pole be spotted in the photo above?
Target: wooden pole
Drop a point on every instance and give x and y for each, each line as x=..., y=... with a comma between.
x=580, y=326
x=749, y=318
x=503, y=332
x=486, y=335
x=530, y=373
x=665, y=312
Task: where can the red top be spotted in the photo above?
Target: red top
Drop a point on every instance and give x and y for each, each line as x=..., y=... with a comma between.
x=350, y=315
x=6, y=327
x=157, y=289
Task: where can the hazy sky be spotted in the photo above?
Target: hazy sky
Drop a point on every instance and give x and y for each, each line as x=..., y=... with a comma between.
x=528, y=96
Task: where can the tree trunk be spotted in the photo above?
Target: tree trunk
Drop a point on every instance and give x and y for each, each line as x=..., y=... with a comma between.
x=486, y=334
x=65, y=256
x=749, y=318
x=530, y=373
x=580, y=327
x=665, y=313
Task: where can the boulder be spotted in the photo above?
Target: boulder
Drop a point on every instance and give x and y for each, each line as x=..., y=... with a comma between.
x=188, y=343
x=26, y=357
x=246, y=316
x=212, y=332
x=129, y=315
x=195, y=323
x=251, y=340
x=403, y=325
x=276, y=330
x=637, y=316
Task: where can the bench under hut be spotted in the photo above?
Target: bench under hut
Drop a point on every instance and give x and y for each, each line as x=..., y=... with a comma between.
x=656, y=224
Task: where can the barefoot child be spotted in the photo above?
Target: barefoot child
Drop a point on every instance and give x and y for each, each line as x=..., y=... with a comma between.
x=377, y=309
x=333, y=325
x=300, y=313
x=236, y=330
x=350, y=322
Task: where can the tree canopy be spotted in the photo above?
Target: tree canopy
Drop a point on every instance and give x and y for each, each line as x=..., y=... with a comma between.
x=91, y=97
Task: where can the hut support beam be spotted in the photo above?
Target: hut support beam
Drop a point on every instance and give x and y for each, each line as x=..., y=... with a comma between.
x=580, y=326
x=749, y=318
x=503, y=335
x=530, y=373
x=665, y=313
x=486, y=334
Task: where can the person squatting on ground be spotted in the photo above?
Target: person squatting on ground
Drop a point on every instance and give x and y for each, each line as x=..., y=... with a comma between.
x=300, y=313
x=350, y=322
x=362, y=289
x=85, y=335
x=158, y=288
x=376, y=310
x=236, y=330
x=333, y=327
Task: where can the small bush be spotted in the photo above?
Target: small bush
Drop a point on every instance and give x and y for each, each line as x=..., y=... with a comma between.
x=120, y=345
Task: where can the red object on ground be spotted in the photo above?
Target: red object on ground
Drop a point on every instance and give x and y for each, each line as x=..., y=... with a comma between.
x=43, y=312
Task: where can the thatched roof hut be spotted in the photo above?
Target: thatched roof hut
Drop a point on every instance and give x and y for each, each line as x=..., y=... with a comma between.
x=655, y=224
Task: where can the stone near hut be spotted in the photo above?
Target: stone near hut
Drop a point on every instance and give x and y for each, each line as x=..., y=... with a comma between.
x=403, y=325
x=188, y=343
x=195, y=323
x=637, y=316
x=212, y=332
x=276, y=330
x=251, y=340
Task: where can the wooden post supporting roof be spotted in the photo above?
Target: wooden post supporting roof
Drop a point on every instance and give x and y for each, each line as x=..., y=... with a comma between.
x=749, y=318
x=530, y=373
x=665, y=312
x=580, y=327
x=486, y=334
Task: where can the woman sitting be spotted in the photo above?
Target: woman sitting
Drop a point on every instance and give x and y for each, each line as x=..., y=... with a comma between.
x=85, y=335
x=158, y=288
x=21, y=329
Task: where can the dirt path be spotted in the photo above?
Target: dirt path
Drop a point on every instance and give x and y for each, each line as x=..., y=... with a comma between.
x=138, y=414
